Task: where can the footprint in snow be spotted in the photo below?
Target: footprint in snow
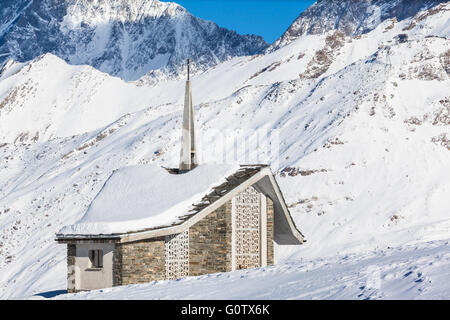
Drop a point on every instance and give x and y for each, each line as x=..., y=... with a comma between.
x=407, y=274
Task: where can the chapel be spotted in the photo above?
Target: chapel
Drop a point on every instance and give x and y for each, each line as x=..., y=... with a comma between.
x=152, y=223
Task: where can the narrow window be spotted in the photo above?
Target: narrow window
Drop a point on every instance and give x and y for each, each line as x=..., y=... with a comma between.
x=96, y=258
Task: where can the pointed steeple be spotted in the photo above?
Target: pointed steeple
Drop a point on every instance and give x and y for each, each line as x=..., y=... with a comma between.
x=188, y=155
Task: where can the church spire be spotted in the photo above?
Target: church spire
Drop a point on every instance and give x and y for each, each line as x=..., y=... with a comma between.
x=188, y=156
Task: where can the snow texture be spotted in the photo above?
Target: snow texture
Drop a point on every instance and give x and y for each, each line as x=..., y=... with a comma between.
x=147, y=196
x=351, y=17
x=414, y=272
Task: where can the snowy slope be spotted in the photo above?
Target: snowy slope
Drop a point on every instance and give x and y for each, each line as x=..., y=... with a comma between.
x=351, y=17
x=414, y=272
x=363, y=157
x=122, y=38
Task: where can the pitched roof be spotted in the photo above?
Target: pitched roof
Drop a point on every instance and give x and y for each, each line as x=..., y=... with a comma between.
x=137, y=198
x=156, y=216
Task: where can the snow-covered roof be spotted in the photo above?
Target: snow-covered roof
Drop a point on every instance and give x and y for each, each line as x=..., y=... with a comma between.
x=147, y=197
x=142, y=202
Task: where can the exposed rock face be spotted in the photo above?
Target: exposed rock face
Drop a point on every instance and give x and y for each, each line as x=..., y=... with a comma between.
x=352, y=17
x=122, y=38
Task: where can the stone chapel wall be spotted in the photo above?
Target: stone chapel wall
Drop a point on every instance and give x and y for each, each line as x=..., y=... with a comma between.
x=210, y=243
x=139, y=262
x=209, y=251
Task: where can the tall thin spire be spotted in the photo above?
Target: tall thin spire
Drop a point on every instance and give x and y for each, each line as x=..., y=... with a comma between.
x=188, y=155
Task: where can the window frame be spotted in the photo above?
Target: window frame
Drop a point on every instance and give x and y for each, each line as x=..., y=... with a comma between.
x=95, y=258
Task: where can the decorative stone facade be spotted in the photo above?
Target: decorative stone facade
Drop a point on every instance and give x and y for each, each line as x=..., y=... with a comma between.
x=209, y=250
x=270, y=230
x=213, y=234
x=248, y=216
x=177, y=255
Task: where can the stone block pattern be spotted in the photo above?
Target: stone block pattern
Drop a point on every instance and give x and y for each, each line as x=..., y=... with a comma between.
x=270, y=228
x=209, y=251
x=210, y=243
x=71, y=253
x=139, y=262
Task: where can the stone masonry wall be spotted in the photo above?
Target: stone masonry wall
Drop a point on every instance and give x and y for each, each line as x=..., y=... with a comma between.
x=139, y=262
x=71, y=253
x=209, y=251
x=270, y=249
x=210, y=243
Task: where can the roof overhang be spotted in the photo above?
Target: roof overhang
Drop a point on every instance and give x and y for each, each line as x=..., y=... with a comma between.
x=285, y=231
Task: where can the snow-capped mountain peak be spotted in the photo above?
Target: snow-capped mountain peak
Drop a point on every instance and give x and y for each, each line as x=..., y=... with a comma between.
x=122, y=38
x=105, y=11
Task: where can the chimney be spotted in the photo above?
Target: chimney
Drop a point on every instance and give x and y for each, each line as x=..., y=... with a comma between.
x=188, y=156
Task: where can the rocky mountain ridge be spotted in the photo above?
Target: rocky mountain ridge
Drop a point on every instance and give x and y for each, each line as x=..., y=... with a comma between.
x=351, y=17
x=127, y=39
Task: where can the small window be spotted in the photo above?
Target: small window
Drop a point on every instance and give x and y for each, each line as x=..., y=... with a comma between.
x=96, y=258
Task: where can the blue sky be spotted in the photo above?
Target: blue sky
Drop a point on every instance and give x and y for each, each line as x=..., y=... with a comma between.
x=267, y=18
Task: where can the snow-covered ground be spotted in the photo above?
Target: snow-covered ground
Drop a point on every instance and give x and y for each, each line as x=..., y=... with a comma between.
x=411, y=272
x=363, y=157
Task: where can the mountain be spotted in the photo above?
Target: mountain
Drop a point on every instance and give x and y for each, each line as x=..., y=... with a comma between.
x=127, y=39
x=351, y=17
x=357, y=136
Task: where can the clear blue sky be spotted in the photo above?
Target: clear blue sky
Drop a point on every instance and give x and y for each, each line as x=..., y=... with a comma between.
x=267, y=18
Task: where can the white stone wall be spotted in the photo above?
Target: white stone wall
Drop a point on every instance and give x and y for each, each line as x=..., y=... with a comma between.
x=87, y=278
